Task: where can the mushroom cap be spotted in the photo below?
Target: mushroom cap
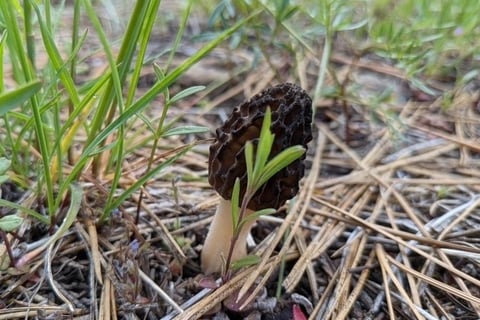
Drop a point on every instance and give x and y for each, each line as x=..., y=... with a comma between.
x=291, y=110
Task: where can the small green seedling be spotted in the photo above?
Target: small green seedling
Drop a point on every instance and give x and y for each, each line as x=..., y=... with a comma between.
x=259, y=171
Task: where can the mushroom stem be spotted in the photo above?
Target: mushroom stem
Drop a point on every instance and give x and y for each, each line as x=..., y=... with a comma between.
x=219, y=239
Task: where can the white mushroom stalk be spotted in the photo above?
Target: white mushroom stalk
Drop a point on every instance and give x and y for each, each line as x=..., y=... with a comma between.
x=218, y=240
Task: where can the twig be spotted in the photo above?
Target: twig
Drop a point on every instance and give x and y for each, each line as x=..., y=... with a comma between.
x=160, y=291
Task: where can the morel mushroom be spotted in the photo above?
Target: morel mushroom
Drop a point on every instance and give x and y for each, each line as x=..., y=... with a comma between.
x=291, y=110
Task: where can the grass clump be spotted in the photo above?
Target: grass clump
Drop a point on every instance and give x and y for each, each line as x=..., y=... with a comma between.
x=58, y=129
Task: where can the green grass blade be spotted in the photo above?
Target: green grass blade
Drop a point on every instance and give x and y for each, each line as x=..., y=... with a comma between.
x=144, y=38
x=55, y=58
x=185, y=93
x=88, y=100
x=179, y=34
x=17, y=97
x=2, y=45
x=143, y=102
x=119, y=68
x=22, y=67
x=184, y=130
x=27, y=72
x=30, y=212
x=140, y=182
x=76, y=196
x=30, y=39
x=75, y=41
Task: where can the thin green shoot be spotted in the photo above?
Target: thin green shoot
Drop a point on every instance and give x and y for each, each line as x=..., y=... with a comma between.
x=259, y=170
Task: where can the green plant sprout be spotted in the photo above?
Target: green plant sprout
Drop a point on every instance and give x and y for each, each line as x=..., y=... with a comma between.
x=259, y=171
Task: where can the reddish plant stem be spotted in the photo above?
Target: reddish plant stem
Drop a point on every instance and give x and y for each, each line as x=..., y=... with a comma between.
x=8, y=247
x=236, y=232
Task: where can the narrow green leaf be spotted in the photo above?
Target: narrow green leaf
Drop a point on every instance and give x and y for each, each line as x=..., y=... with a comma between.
x=263, y=148
x=235, y=204
x=258, y=214
x=249, y=260
x=15, y=98
x=279, y=162
x=118, y=68
x=184, y=130
x=22, y=65
x=249, y=160
x=422, y=86
x=469, y=76
x=55, y=58
x=266, y=139
x=140, y=182
x=185, y=93
x=158, y=72
x=181, y=30
x=104, y=148
x=76, y=196
x=144, y=101
x=10, y=223
x=88, y=99
x=30, y=212
x=4, y=164
x=147, y=122
x=3, y=36
x=144, y=37
x=164, y=127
